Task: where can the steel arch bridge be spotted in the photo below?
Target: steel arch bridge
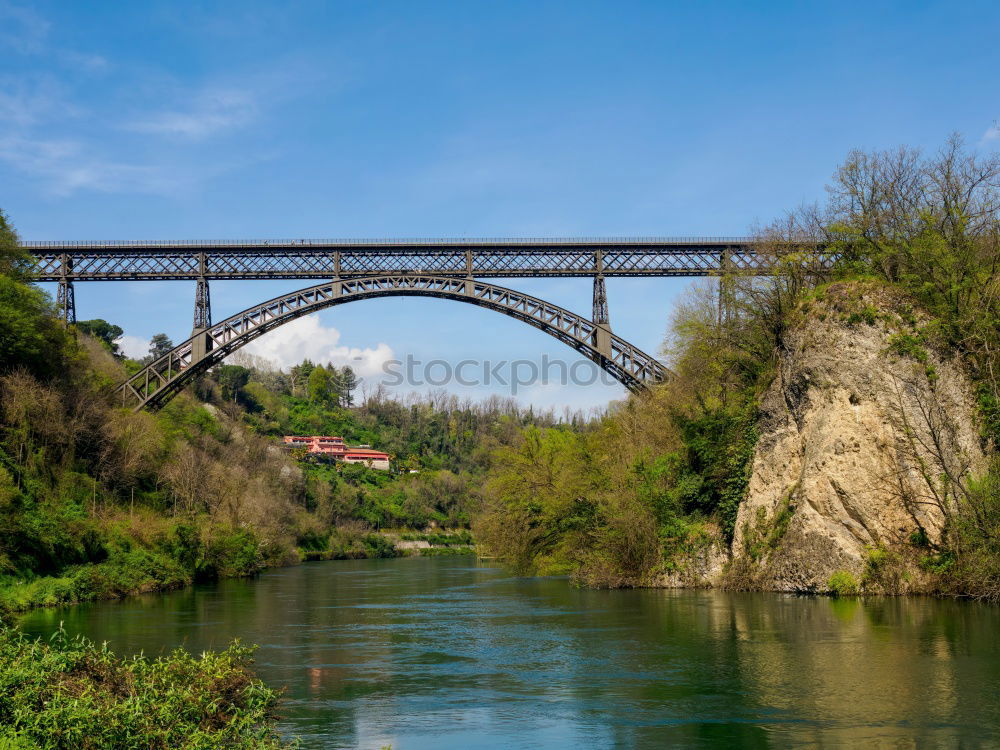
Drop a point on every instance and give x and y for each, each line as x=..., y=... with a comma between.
x=162, y=379
x=359, y=269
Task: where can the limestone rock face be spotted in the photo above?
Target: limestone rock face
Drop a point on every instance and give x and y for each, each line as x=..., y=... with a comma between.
x=862, y=436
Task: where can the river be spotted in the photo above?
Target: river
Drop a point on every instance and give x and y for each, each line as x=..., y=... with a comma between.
x=447, y=653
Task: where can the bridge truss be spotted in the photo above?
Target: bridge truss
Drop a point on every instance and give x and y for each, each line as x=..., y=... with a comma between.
x=354, y=269
x=323, y=259
x=160, y=380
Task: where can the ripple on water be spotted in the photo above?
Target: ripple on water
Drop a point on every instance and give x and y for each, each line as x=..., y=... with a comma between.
x=438, y=652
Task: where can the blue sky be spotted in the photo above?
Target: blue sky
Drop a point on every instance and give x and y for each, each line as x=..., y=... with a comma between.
x=161, y=120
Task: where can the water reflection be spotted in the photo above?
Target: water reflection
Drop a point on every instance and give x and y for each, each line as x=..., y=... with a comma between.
x=430, y=653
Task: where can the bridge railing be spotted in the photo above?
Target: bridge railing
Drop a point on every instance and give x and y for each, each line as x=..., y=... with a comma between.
x=388, y=242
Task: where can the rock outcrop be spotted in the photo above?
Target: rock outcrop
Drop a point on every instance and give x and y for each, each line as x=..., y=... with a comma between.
x=863, y=436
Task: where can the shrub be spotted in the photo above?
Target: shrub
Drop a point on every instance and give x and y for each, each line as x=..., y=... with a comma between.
x=883, y=571
x=843, y=583
x=906, y=345
x=70, y=693
x=231, y=553
x=376, y=546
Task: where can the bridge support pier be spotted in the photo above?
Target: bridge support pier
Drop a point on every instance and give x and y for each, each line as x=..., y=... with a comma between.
x=600, y=315
x=201, y=344
x=66, y=301
x=202, y=305
x=602, y=335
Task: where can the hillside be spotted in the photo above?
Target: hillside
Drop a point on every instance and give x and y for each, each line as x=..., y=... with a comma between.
x=827, y=429
x=99, y=502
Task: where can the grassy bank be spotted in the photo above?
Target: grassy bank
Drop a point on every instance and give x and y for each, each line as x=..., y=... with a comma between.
x=70, y=693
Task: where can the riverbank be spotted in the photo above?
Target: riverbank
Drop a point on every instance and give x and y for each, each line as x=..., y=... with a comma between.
x=160, y=568
x=70, y=692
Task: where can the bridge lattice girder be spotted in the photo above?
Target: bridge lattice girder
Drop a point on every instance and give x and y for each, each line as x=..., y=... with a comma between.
x=323, y=259
x=162, y=379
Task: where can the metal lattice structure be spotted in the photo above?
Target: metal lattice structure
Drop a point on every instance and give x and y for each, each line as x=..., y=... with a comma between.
x=448, y=268
x=324, y=259
x=163, y=378
x=202, y=305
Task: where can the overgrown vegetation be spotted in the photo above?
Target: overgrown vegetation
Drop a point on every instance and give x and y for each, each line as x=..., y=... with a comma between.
x=617, y=505
x=99, y=502
x=70, y=693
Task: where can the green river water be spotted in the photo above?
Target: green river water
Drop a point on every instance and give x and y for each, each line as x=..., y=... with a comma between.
x=447, y=653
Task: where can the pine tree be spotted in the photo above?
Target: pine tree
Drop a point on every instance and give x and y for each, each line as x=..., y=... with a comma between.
x=348, y=382
x=159, y=345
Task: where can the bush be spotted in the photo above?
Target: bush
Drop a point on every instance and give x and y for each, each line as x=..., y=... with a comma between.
x=234, y=553
x=377, y=546
x=70, y=693
x=843, y=583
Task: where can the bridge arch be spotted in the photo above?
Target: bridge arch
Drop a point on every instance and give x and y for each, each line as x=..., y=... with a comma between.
x=160, y=380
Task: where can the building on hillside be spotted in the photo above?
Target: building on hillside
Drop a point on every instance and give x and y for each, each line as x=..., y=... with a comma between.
x=369, y=456
x=335, y=448
x=326, y=445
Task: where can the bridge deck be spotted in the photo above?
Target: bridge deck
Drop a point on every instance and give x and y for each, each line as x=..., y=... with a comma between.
x=323, y=259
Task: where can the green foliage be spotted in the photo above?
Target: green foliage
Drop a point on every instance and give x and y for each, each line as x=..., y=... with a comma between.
x=319, y=384
x=866, y=314
x=940, y=563
x=713, y=475
x=919, y=538
x=71, y=693
x=445, y=539
x=350, y=543
x=159, y=345
x=843, y=583
x=970, y=563
x=105, y=332
x=989, y=406
x=232, y=378
x=906, y=345
x=30, y=334
x=14, y=261
x=884, y=571
x=764, y=535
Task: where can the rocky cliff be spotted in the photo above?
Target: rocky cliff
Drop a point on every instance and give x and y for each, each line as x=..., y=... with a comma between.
x=865, y=434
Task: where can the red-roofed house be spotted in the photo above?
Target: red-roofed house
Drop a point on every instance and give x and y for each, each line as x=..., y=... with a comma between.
x=331, y=446
x=336, y=449
x=372, y=458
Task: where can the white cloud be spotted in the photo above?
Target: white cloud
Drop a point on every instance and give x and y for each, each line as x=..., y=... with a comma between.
x=992, y=133
x=135, y=347
x=67, y=167
x=25, y=102
x=308, y=338
x=213, y=111
x=21, y=28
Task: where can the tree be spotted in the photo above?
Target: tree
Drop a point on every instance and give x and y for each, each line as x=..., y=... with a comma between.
x=299, y=376
x=319, y=384
x=232, y=378
x=336, y=384
x=105, y=332
x=14, y=261
x=159, y=345
x=347, y=382
x=31, y=335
